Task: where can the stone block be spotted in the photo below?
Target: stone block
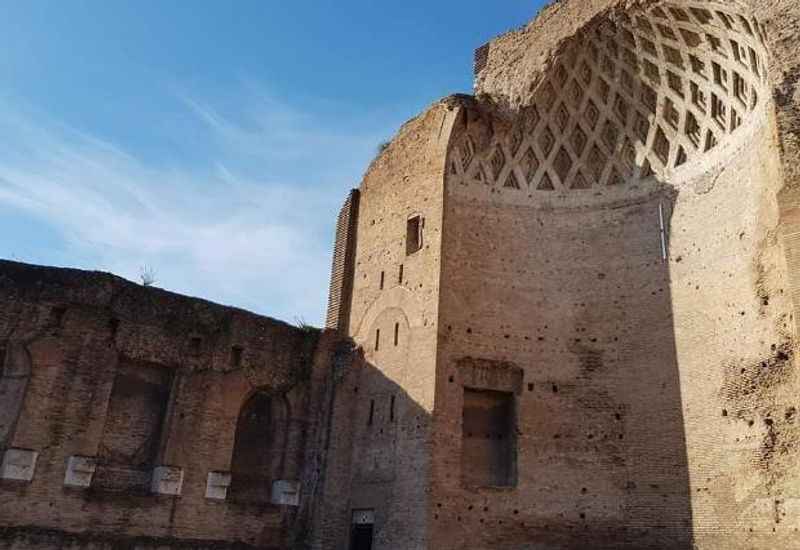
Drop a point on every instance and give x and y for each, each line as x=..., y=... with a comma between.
x=80, y=471
x=18, y=465
x=217, y=485
x=167, y=480
x=286, y=493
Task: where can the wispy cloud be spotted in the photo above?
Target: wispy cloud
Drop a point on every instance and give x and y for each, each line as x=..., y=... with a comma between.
x=249, y=225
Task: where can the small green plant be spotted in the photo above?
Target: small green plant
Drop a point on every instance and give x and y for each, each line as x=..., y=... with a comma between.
x=300, y=323
x=147, y=275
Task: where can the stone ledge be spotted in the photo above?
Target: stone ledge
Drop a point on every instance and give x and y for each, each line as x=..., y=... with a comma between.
x=167, y=481
x=18, y=465
x=80, y=471
x=217, y=485
x=286, y=493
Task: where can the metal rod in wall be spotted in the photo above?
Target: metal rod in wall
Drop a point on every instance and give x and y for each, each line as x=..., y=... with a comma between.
x=663, y=231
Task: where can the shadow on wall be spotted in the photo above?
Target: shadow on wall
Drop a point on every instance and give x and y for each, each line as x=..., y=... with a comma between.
x=561, y=215
x=131, y=416
x=376, y=464
x=601, y=453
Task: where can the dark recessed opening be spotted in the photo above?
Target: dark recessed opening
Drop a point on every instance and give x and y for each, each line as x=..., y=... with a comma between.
x=371, y=412
x=414, y=228
x=489, y=447
x=236, y=356
x=195, y=345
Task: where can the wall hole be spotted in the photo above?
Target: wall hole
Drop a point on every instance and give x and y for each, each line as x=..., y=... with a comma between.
x=113, y=326
x=57, y=315
x=236, y=356
x=371, y=412
x=195, y=345
x=414, y=228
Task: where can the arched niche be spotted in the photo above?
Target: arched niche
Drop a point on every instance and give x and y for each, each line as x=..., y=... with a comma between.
x=259, y=447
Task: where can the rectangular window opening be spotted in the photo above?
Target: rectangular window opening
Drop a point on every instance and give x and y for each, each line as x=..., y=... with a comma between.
x=396, y=333
x=383, y=278
x=488, y=444
x=400, y=275
x=391, y=409
x=414, y=228
x=236, y=356
x=377, y=339
x=195, y=346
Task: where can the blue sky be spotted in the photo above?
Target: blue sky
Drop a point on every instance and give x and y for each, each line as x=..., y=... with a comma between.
x=213, y=141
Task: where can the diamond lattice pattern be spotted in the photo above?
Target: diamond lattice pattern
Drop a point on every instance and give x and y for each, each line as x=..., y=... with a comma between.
x=635, y=97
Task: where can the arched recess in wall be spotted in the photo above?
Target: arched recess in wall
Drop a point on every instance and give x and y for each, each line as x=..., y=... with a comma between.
x=130, y=444
x=638, y=98
x=258, y=452
x=15, y=373
x=398, y=297
x=396, y=313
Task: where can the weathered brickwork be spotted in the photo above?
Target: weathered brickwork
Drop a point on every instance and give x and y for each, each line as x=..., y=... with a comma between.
x=616, y=259
x=393, y=318
x=156, y=420
x=341, y=287
x=562, y=316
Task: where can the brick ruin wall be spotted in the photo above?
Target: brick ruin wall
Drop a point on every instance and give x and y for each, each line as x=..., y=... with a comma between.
x=617, y=249
x=572, y=305
x=122, y=423
x=393, y=319
x=341, y=285
x=655, y=393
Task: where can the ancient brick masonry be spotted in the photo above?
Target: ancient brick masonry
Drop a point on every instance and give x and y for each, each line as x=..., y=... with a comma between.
x=133, y=417
x=341, y=287
x=597, y=335
x=562, y=316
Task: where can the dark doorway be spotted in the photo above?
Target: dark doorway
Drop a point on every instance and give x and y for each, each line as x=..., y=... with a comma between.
x=361, y=537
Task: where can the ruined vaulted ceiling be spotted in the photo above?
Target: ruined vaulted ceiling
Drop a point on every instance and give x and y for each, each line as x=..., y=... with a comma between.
x=636, y=95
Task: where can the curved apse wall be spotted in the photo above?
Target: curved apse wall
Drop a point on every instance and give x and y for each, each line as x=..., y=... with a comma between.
x=657, y=404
